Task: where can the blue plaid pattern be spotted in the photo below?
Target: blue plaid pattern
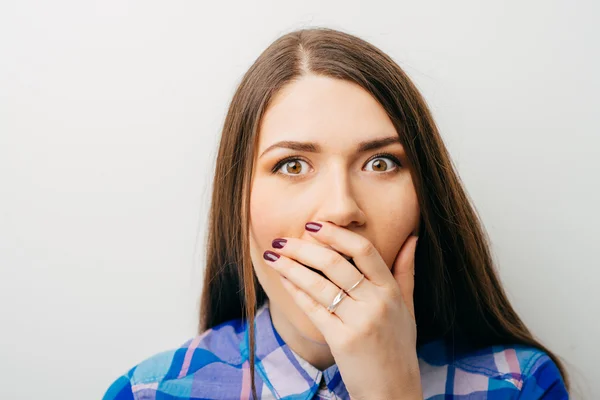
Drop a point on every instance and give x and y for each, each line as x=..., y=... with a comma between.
x=214, y=365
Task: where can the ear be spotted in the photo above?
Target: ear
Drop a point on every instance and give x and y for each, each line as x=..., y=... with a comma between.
x=404, y=271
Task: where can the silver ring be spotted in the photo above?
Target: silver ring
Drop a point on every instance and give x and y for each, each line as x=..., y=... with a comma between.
x=356, y=284
x=337, y=300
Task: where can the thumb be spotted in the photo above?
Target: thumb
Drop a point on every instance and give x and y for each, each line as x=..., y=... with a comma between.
x=404, y=272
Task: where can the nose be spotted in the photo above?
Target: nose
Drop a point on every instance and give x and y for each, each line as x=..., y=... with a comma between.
x=337, y=203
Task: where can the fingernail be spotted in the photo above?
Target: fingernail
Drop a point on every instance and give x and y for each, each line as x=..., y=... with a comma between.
x=313, y=226
x=270, y=256
x=279, y=243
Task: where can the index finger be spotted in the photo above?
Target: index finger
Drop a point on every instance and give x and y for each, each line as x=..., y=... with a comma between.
x=364, y=255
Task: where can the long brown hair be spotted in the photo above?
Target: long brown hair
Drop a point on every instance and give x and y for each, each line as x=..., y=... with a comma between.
x=458, y=295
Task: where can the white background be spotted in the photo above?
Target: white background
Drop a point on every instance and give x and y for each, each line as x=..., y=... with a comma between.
x=110, y=113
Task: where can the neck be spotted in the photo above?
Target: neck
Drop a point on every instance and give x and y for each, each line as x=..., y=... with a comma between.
x=316, y=353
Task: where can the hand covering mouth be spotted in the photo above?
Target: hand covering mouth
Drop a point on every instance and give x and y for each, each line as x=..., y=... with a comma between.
x=350, y=260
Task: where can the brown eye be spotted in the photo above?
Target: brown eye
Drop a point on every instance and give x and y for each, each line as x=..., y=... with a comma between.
x=380, y=165
x=291, y=167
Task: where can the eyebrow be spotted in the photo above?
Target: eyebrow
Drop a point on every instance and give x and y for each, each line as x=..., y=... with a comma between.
x=310, y=147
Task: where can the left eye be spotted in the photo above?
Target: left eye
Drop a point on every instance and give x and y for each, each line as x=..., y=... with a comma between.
x=380, y=166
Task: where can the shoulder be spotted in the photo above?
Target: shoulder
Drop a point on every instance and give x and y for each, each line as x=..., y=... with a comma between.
x=167, y=371
x=501, y=371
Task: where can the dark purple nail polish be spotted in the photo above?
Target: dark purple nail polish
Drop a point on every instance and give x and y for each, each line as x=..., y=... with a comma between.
x=279, y=243
x=313, y=226
x=270, y=256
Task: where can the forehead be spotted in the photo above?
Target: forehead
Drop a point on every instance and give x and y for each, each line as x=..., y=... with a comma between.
x=332, y=112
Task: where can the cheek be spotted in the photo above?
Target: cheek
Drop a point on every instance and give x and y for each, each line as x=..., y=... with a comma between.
x=275, y=211
x=267, y=222
x=396, y=221
x=265, y=225
x=266, y=216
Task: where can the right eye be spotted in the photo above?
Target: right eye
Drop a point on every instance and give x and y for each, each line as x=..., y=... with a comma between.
x=291, y=167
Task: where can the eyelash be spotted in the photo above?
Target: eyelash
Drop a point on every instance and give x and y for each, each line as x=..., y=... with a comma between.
x=284, y=161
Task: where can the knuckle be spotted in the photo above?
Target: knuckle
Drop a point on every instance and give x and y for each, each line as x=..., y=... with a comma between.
x=370, y=327
x=380, y=311
x=313, y=306
x=319, y=285
x=366, y=248
x=394, y=292
x=332, y=259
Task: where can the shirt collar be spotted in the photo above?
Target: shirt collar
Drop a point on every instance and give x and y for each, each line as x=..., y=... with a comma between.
x=284, y=372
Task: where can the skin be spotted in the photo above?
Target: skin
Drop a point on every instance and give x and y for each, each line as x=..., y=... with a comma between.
x=369, y=211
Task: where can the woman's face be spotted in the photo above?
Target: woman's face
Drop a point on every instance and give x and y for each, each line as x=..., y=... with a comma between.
x=367, y=194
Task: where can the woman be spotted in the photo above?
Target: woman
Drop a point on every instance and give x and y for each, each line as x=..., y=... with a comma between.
x=330, y=167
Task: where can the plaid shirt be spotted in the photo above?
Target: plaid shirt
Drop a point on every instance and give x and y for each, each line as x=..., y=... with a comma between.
x=214, y=365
